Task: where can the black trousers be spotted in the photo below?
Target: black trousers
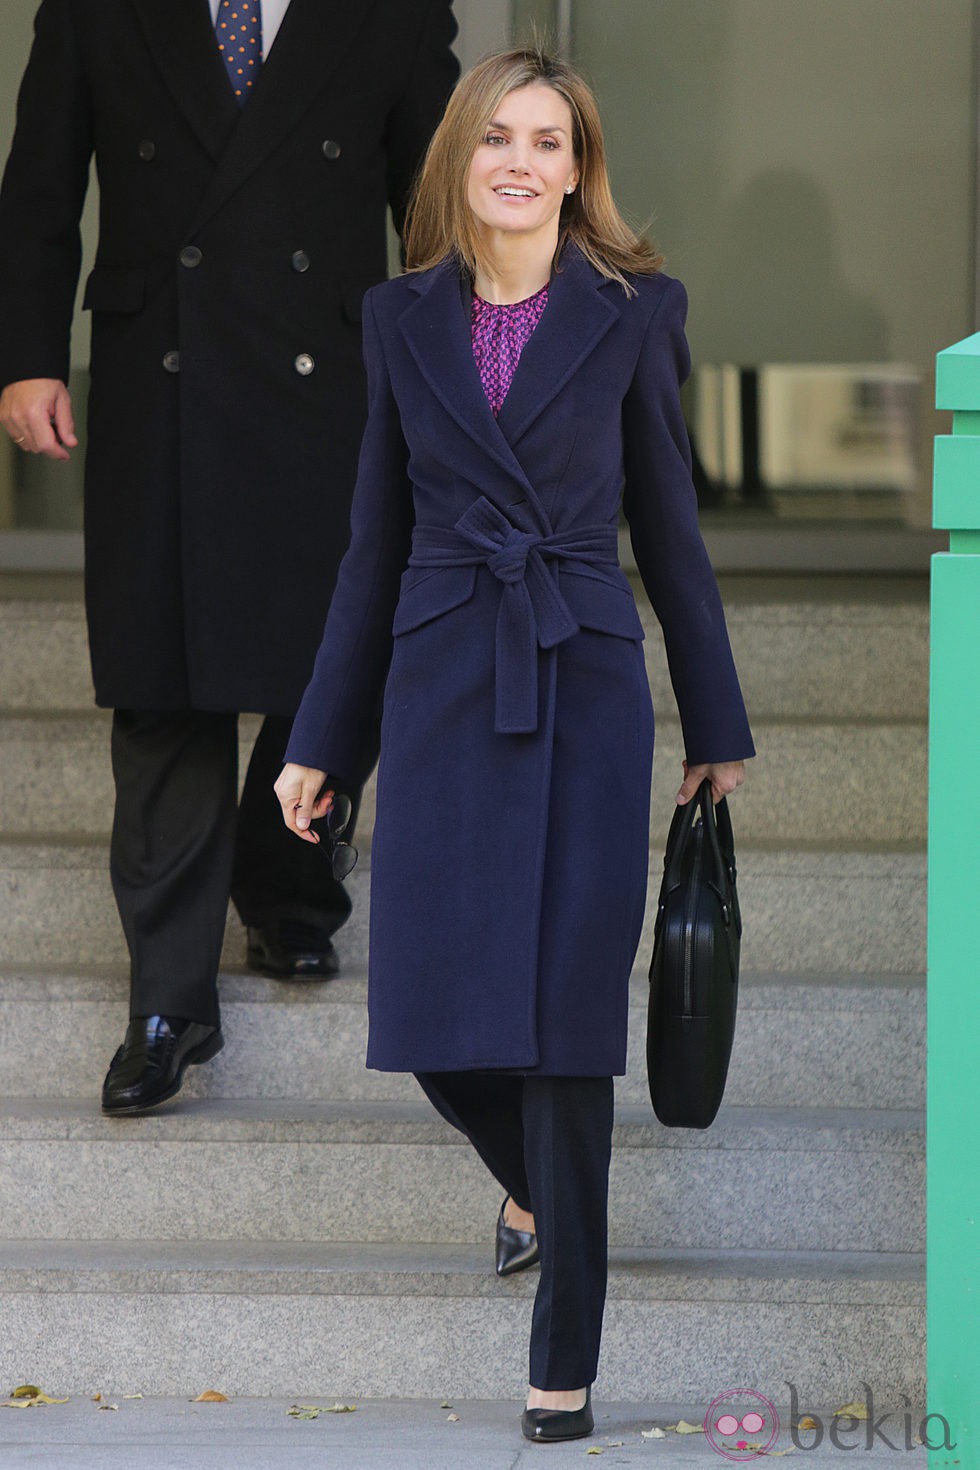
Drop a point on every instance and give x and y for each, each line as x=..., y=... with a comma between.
x=547, y=1141
x=181, y=843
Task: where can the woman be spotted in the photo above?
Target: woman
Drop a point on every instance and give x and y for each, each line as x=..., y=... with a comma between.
x=528, y=360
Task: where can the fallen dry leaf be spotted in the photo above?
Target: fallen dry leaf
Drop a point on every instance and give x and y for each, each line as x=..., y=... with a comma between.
x=857, y=1410
x=654, y=1433
x=682, y=1427
x=313, y=1411
x=594, y=1450
x=445, y=1405
x=452, y=1418
x=210, y=1396
x=132, y=1395
x=807, y=1422
x=96, y=1398
x=108, y=1406
x=29, y=1397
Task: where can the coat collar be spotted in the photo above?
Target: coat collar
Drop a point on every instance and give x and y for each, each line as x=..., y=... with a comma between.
x=437, y=330
x=181, y=41
x=299, y=65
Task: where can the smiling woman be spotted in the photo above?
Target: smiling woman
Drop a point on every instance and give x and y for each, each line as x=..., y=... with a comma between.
x=524, y=168
x=533, y=350
x=521, y=153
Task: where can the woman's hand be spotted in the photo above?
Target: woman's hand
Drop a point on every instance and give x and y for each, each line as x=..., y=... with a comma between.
x=724, y=778
x=302, y=798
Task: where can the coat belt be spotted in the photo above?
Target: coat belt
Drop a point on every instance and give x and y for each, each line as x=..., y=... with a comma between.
x=532, y=611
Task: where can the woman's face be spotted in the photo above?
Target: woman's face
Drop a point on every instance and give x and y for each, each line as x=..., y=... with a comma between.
x=524, y=163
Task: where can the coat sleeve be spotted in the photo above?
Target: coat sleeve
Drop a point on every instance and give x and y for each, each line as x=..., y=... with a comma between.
x=661, y=508
x=416, y=114
x=41, y=202
x=336, y=726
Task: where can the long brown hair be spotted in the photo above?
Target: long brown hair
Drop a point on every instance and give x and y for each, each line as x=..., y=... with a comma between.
x=440, y=221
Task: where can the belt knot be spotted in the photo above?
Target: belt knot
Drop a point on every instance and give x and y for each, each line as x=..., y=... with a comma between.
x=509, y=564
x=532, y=613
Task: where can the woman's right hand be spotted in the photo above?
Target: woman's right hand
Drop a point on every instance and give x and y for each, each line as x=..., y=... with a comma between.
x=302, y=798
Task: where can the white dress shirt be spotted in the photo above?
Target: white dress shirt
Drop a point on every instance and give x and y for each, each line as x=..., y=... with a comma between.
x=272, y=14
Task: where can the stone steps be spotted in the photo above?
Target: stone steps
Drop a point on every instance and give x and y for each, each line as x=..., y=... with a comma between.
x=859, y=911
x=292, y=1219
x=800, y=1040
x=758, y=1179
x=165, y=1317
x=799, y=654
x=806, y=786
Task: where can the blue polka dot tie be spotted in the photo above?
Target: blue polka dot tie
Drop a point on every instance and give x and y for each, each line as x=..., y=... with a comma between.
x=239, y=32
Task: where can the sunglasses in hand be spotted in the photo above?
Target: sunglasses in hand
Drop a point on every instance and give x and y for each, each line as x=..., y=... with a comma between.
x=342, y=856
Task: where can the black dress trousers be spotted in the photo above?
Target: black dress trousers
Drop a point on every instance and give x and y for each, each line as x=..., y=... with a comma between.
x=547, y=1140
x=180, y=845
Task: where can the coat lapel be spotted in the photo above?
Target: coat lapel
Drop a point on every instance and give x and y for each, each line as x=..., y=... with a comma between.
x=437, y=331
x=313, y=41
x=577, y=317
x=181, y=41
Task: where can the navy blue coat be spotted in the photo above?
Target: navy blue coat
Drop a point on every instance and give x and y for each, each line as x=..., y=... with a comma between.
x=481, y=601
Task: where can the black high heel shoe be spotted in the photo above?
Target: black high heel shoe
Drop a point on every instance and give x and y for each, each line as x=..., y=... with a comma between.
x=516, y=1249
x=546, y=1426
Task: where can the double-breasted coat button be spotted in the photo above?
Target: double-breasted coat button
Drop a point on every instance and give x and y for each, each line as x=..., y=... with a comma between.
x=147, y=150
x=331, y=149
x=300, y=261
x=304, y=364
x=171, y=362
x=190, y=256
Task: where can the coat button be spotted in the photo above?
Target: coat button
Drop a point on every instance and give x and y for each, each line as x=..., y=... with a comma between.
x=304, y=364
x=147, y=150
x=331, y=149
x=191, y=256
x=300, y=261
x=171, y=362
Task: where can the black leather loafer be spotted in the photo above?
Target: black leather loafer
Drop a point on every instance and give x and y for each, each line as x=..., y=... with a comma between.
x=547, y=1426
x=288, y=947
x=149, y=1066
x=516, y=1249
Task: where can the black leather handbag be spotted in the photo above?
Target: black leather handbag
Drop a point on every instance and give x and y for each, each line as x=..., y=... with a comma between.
x=694, y=969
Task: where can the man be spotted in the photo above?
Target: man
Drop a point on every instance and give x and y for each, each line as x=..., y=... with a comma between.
x=246, y=150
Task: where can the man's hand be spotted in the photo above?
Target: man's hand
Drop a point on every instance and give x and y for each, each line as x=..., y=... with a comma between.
x=36, y=413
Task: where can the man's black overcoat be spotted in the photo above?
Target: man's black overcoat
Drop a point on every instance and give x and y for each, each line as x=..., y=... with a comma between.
x=227, y=396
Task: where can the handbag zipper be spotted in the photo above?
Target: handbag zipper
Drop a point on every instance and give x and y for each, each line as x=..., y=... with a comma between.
x=689, y=922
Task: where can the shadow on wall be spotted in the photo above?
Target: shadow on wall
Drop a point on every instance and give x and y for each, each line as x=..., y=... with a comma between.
x=778, y=292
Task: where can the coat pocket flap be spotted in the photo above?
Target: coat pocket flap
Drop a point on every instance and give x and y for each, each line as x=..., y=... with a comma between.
x=114, y=288
x=427, y=593
x=601, y=603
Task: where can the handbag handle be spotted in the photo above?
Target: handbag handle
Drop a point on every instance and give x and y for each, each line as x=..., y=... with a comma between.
x=717, y=827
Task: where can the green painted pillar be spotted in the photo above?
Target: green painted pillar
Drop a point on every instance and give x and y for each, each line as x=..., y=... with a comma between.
x=953, y=1047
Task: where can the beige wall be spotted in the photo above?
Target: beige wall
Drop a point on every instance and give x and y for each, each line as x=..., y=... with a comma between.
x=808, y=165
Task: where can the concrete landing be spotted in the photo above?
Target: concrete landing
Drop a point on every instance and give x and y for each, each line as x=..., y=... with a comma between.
x=259, y=1434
